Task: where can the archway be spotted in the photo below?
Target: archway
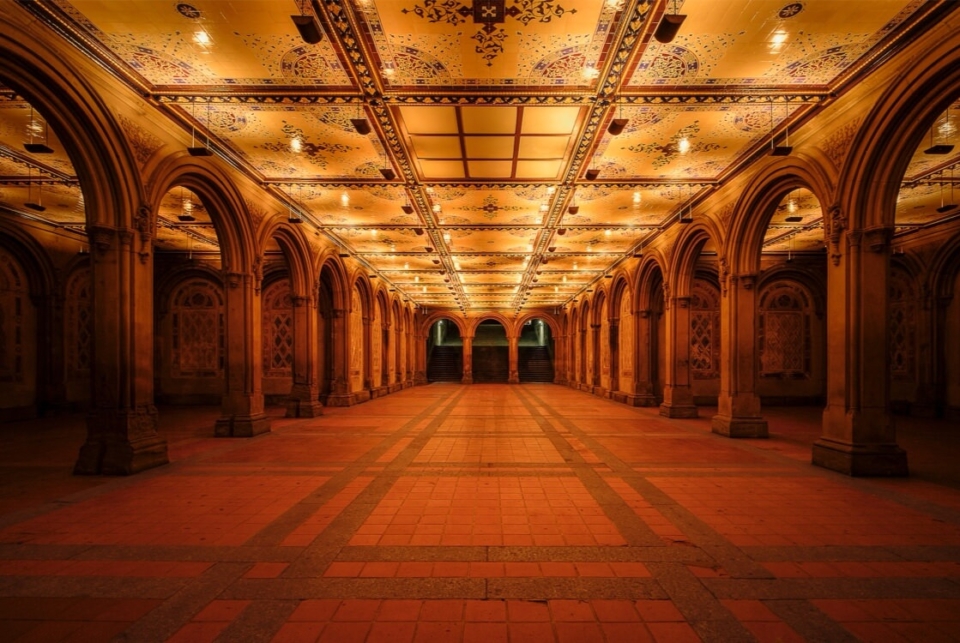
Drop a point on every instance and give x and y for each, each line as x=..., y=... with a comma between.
x=444, y=352
x=535, y=352
x=491, y=352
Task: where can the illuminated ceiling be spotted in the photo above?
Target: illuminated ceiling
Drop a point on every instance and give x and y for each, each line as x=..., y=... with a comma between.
x=472, y=187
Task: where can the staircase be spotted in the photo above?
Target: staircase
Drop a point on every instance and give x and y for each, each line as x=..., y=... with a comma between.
x=534, y=364
x=446, y=364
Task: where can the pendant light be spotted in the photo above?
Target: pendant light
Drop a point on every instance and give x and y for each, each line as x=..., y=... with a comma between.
x=937, y=148
x=38, y=205
x=669, y=26
x=780, y=150
x=35, y=147
x=946, y=207
x=194, y=149
x=307, y=25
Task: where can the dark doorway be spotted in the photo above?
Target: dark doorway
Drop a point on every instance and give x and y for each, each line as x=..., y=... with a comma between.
x=491, y=353
x=535, y=352
x=444, y=352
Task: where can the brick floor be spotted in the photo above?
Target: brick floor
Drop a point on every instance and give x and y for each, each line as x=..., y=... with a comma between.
x=485, y=513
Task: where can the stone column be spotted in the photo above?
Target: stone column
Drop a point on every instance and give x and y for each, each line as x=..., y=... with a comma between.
x=339, y=393
x=512, y=358
x=420, y=359
x=243, y=406
x=613, y=374
x=677, y=391
x=646, y=359
x=304, y=399
x=858, y=432
x=925, y=398
x=738, y=405
x=560, y=359
x=122, y=424
x=593, y=370
x=467, y=360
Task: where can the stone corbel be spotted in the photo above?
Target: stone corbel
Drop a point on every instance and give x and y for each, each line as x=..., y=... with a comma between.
x=683, y=302
x=877, y=239
x=126, y=237
x=142, y=222
x=748, y=281
x=233, y=279
x=257, y=274
x=644, y=314
x=836, y=223
x=724, y=275
x=298, y=301
x=101, y=238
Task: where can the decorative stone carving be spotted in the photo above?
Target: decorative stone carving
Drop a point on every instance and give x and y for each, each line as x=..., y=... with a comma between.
x=233, y=279
x=257, y=274
x=835, y=224
x=837, y=145
x=256, y=212
x=748, y=281
x=142, y=221
x=101, y=238
x=143, y=143
x=878, y=239
x=725, y=214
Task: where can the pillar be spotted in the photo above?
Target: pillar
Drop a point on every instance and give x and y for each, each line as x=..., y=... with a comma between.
x=304, y=399
x=677, y=391
x=645, y=365
x=242, y=406
x=339, y=393
x=122, y=433
x=467, y=360
x=858, y=432
x=513, y=359
x=738, y=405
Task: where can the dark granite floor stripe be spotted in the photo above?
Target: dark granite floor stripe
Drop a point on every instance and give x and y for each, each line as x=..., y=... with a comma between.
x=315, y=558
x=809, y=622
x=353, y=588
x=260, y=621
x=283, y=525
x=731, y=558
x=631, y=527
x=817, y=588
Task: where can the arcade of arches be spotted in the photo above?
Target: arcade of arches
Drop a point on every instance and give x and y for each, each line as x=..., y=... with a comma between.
x=115, y=310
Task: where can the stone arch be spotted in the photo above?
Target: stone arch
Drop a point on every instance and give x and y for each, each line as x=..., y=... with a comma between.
x=296, y=250
x=757, y=203
x=504, y=321
x=88, y=131
x=884, y=144
x=687, y=247
x=239, y=250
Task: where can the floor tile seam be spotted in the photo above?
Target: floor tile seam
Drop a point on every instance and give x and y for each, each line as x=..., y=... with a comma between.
x=810, y=622
x=834, y=588
x=510, y=554
x=701, y=609
x=628, y=523
x=259, y=621
x=460, y=588
x=285, y=524
x=699, y=533
x=175, y=612
x=345, y=524
x=854, y=553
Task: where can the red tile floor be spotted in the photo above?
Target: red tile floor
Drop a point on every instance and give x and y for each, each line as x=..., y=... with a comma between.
x=488, y=513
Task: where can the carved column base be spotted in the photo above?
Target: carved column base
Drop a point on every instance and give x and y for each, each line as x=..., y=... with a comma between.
x=860, y=460
x=420, y=378
x=514, y=378
x=739, y=427
x=467, y=378
x=599, y=391
x=634, y=399
x=242, y=426
x=339, y=399
x=298, y=408
x=121, y=443
x=678, y=410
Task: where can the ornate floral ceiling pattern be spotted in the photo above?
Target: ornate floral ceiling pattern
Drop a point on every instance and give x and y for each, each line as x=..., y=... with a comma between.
x=486, y=118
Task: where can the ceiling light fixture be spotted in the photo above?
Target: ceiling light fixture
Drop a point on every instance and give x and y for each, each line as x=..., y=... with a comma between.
x=35, y=127
x=946, y=207
x=681, y=218
x=307, y=25
x=387, y=172
x=294, y=215
x=669, y=26
x=937, y=148
x=194, y=149
x=186, y=208
x=785, y=149
x=592, y=174
x=573, y=208
x=38, y=206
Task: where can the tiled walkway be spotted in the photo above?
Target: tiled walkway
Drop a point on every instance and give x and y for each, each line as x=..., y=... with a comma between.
x=485, y=513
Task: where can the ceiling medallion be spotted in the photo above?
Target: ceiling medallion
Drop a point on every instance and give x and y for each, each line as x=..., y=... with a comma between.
x=790, y=10
x=188, y=11
x=489, y=13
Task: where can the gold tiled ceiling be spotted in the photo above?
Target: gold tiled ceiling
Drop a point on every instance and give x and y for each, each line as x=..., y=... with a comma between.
x=489, y=127
x=499, y=143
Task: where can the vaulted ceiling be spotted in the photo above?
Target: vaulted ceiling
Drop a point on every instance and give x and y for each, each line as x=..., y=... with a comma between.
x=489, y=177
